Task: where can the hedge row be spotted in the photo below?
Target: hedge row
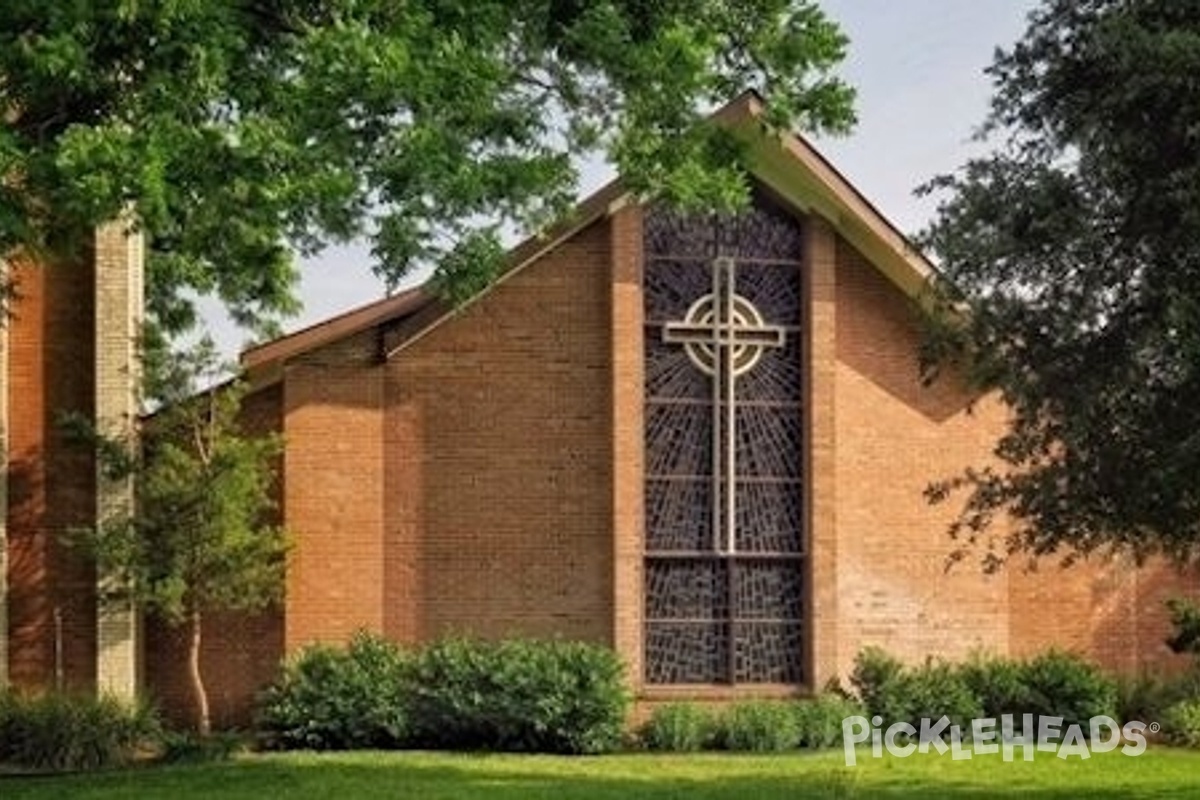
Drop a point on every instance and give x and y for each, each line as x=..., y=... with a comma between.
x=1053, y=684
x=531, y=696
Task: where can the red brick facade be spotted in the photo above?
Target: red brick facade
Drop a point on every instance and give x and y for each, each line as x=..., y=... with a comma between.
x=50, y=599
x=480, y=470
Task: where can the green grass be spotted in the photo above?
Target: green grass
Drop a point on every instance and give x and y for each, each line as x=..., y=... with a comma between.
x=1159, y=773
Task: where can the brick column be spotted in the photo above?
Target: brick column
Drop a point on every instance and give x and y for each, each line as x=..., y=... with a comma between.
x=119, y=303
x=821, y=260
x=627, y=436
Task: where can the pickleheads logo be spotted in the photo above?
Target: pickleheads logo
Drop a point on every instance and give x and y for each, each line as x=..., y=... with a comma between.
x=988, y=736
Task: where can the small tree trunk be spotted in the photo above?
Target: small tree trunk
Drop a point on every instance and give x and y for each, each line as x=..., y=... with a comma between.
x=199, y=693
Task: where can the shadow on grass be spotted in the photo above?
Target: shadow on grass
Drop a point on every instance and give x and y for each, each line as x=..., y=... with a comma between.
x=442, y=777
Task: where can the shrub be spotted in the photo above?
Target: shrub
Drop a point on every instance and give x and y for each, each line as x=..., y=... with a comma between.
x=1148, y=697
x=57, y=732
x=1001, y=684
x=559, y=697
x=1068, y=686
x=819, y=720
x=758, y=726
x=338, y=699
x=1181, y=723
x=678, y=728
x=1185, y=623
x=877, y=678
x=903, y=694
x=938, y=689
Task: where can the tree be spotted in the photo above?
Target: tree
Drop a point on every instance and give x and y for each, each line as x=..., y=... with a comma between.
x=1071, y=258
x=237, y=129
x=199, y=540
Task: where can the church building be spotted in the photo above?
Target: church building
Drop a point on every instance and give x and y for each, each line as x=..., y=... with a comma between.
x=701, y=440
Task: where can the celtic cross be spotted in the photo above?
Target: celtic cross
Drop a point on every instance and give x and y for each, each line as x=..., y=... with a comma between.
x=724, y=335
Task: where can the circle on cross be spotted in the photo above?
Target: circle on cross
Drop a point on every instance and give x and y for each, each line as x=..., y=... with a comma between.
x=744, y=317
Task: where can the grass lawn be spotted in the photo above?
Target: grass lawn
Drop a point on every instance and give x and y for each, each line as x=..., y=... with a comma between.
x=1159, y=773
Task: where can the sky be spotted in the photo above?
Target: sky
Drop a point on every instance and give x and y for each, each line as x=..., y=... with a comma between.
x=917, y=66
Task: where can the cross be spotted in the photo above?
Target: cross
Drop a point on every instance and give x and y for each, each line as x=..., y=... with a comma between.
x=724, y=335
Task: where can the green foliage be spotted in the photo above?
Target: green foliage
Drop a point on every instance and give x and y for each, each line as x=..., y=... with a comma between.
x=1181, y=723
x=56, y=732
x=464, y=694
x=1147, y=697
x=1075, y=250
x=1001, y=684
x=819, y=720
x=1185, y=619
x=1053, y=684
x=331, y=698
x=232, y=131
x=678, y=728
x=1068, y=686
x=876, y=680
x=188, y=748
x=936, y=689
x=759, y=726
x=518, y=695
x=909, y=694
x=200, y=537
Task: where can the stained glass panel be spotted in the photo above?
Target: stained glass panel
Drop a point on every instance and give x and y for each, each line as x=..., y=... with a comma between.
x=724, y=570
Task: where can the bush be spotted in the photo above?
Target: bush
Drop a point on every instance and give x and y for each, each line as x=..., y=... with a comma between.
x=1053, y=684
x=531, y=696
x=903, y=694
x=1148, y=697
x=1001, y=684
x=678, y=728
x=1068, y=686
x=878, y=679
x=56, y=732
x=1181, y=723
x=938, y=689
x=819, y=721
x=758, y=726
x=339, y=699
x=1185, y=624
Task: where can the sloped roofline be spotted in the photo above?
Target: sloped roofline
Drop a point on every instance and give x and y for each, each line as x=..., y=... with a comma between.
x=786, y=163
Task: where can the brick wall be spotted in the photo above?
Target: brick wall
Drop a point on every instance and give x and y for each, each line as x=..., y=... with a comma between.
x=894, y=437
x=499, y=459
x=51, y=358
x=333, y=490
x=486, y=479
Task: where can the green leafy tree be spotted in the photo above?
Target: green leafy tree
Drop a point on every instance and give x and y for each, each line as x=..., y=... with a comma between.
x=199, y=539
x=1074, y=250
x=237, y=130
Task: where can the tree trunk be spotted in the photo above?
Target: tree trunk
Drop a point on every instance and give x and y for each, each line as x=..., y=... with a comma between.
x=199, y=693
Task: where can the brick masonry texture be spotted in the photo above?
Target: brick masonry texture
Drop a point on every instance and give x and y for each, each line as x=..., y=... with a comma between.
x=499, y=460
x=487, y=479
x=50, y=480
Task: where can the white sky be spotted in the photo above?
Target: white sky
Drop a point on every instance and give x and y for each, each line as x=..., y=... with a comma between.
x=918, y=68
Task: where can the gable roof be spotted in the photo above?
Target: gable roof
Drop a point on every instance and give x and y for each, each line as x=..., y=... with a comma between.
x=788, y=164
